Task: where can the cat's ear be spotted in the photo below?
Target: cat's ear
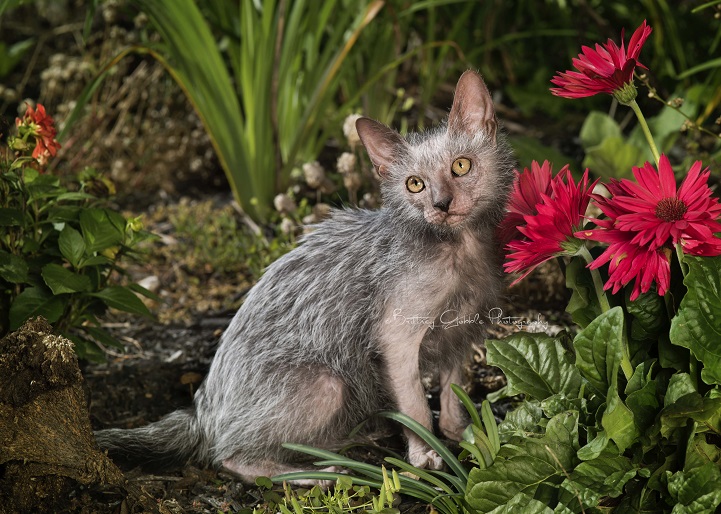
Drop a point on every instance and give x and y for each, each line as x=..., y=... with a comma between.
x=472, y=109
x=383, y=145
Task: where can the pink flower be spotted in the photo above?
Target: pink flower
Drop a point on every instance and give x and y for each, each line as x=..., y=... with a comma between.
x=607, y=69
x=527, y=191
x=550, y=232
x=644, y=219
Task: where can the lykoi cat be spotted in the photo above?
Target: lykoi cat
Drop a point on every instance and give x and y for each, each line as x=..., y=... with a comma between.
x=315, y=349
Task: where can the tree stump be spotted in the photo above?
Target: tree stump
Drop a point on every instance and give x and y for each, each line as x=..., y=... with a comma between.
x=49, y=460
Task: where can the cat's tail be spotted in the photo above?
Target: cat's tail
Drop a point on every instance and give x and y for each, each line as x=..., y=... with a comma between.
x=171, y=441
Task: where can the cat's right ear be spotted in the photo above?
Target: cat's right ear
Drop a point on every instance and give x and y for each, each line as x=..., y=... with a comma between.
x=383, y=144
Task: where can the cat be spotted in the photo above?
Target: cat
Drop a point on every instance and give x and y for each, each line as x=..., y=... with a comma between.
x=346, y=324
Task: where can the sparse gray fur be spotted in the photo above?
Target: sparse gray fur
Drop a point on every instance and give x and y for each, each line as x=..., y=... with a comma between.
x=338, y=328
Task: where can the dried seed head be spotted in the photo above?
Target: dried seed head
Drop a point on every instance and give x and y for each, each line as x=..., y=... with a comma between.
x=314, y=174
x=287, y=226
x=350, y=131
x=284, y=203
x=346, y=163
x=352, y=181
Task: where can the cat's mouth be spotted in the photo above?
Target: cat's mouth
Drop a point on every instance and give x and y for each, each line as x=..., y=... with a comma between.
x=448, y=219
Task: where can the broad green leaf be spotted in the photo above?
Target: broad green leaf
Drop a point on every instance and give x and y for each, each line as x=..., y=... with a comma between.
x=558, y=403
x=72, y=245
x=599, y=350
x=522, y=468
x=614, y=157
x=679, y=385
x=528, y=149
x=705, y=411
x=648, y=319
x=522, y=421
x=645, y=405
x=618, y=421
x=61, y=280
x=10, y=217
x=697, y=326
x=101, y=228
x=596, y=127
x=604, y=476
x=35, y=301
x=522, y=503
x=13, y=269
x=122, y=299
x=696, y=491
x=583, y=305
x=595, y=447
x=535, y=364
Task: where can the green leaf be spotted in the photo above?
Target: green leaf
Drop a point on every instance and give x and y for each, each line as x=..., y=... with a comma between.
x=645, y=405
x=596, y=127
x=614, y=157
x=603, y=477
x=522, y=421
x=583, y=304
x=599, y=350
x=618, y=421
x=697, y=326
x=528, y=149
x=123, y=299
x=535, y=364
x=61, y=280
x=522, y=503
x=595, y=447
x=705, y=411
x=35, y=301
x=72, y=245
x=10, y=217
x=524, y=467
x=696, y=491
x=649, y=315
x=101, y=228
x=13, y=269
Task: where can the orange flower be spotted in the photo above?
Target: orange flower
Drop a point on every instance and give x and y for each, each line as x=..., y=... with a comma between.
x=42, y=127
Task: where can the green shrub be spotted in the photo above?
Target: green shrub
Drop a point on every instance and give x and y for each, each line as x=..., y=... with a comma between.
x=60, y=248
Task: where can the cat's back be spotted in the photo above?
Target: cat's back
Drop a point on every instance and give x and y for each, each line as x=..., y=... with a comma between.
x=329, y=286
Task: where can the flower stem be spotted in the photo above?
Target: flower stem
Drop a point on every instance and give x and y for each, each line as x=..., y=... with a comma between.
x=679, y=255
x=626, y=365
x=644, y=127
x=596, y=276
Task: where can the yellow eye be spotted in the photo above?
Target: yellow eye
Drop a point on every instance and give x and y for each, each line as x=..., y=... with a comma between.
x=415, y=184
x=461, y=166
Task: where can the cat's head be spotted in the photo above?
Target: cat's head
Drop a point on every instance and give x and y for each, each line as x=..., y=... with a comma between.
x=455, y=174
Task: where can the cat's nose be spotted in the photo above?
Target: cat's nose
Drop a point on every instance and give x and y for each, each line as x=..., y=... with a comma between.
x=442, y=204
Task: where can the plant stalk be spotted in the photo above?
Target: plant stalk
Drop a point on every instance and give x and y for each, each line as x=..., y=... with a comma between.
x=597, y=282
x=644, y=127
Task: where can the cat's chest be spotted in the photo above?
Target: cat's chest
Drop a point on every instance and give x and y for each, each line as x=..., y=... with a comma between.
x=454, y=277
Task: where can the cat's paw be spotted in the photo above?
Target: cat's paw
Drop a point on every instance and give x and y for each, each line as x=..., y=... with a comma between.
x=425, y=458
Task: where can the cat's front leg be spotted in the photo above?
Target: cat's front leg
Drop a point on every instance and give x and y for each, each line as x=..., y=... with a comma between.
x=452, y=419
x=401, y=352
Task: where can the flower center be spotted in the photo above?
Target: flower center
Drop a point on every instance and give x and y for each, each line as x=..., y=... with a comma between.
x=670, y=209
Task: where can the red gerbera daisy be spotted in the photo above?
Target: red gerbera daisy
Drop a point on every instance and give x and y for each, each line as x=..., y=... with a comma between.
x=550, y=232
x=647, y=217
x=527, y=191
x=607, y=69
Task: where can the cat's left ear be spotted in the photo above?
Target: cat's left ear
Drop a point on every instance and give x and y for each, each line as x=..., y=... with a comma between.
x=472, y=109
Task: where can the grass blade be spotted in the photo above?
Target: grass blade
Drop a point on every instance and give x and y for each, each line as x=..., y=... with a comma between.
x=431, y=440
